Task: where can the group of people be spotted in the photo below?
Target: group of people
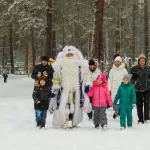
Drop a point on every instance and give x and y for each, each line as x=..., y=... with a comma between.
x=72, y=85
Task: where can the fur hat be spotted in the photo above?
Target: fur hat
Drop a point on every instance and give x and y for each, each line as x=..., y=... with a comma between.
x=118, y=58
x=102, y=77
x=127, y=77
x=70, y=49
x=92, y=62
x=44, y=58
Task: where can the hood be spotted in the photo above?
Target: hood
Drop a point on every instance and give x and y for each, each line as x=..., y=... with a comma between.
x=122, y=66
x=129, y=84
x=104, y=84
x=142, y=56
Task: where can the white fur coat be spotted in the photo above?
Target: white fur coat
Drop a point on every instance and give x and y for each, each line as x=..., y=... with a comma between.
x=69, y=79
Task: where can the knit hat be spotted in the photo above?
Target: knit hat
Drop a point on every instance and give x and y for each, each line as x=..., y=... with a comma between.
x=127, y=77
x=92, y=62
x=118, y=58
x=142, y=56
x=116, y=55
x=44, y=58
x=102, y=77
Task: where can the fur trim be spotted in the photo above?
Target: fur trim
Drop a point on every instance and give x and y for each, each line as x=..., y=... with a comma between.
x=122, y=66
x=55, y=87
x=67, y=111
x=88, y=83
x=72, y=108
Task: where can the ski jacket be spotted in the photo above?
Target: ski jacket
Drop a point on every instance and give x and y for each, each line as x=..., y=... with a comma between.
x=100, y=95
x=126, y=96
x=115, y=78
x=42, y=94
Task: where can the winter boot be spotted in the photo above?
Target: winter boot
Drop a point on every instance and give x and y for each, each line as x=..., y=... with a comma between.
x=90, y=115
x=114, y=116
x=140, y=122
x=66, y=124
x=43, y=124
x=38, y=123
x=122, y=128
x=97, y=126
x=104, y=126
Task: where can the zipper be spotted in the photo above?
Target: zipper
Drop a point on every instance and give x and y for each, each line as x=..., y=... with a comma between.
x=99, y=96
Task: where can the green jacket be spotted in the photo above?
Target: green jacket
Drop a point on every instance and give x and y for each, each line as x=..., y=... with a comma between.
x=126, y=96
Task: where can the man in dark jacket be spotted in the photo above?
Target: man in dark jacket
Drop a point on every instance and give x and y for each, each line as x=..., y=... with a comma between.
x=45, y=71
x=5, y=76
x=141, y=82
x=40, y=96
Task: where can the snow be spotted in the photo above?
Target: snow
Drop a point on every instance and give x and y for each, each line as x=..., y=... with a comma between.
x=18, y=131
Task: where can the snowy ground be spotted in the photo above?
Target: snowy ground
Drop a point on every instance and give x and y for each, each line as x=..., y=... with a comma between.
x=18, y=131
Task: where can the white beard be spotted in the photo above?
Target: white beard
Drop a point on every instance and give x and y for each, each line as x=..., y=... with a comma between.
x=70, y=73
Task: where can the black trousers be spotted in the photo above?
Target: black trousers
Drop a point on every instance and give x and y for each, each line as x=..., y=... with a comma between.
x=142, y=99
x=90, y=115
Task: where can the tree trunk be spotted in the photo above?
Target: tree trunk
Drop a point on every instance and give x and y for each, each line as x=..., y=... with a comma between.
x=33, y=48
x=11, y=48
x=49, y=29
x=146, y=30
x=54, y=44
x=98, y=36
x=133, y=32
x=4, y=51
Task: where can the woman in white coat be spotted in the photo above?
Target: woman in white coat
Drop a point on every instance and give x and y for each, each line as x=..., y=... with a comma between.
x=115, y=78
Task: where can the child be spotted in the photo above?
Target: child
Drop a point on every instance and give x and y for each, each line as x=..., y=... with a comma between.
x=100, y=98
x=127, y=96
x=41, y=97
x=5, y=76
x=115, y=78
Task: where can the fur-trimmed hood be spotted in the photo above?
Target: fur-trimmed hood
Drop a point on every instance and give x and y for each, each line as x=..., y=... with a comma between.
x=122, y=66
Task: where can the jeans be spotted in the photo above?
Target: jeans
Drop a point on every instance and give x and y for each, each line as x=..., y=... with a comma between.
x=41, y=115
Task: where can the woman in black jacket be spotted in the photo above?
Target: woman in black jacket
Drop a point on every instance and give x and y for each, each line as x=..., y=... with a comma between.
x=40, y=96
x=141, y=82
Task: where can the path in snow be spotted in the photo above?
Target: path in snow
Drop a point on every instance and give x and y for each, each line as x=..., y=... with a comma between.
x=18, y=131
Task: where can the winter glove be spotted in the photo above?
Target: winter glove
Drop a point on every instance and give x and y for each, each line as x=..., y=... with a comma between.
x=38, y=102
x=45, y=74
x=39, y=74
x=133, y=106
x=87, y=89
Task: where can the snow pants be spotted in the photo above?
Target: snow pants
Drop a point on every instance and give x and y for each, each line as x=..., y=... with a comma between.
x=100, y=116
x=41, y=115
x=126, y=113
x=143, y=98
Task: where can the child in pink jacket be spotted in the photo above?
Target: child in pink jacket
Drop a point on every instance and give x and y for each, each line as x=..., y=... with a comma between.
x=100, y=100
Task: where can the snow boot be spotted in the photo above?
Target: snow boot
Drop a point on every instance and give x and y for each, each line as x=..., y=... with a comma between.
x=42, y=124
x=114, y=116
x=66, y=124
x=104, y=126
x=38, y=123
x=97, y=126
x=140, y=122
x=122, y=128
